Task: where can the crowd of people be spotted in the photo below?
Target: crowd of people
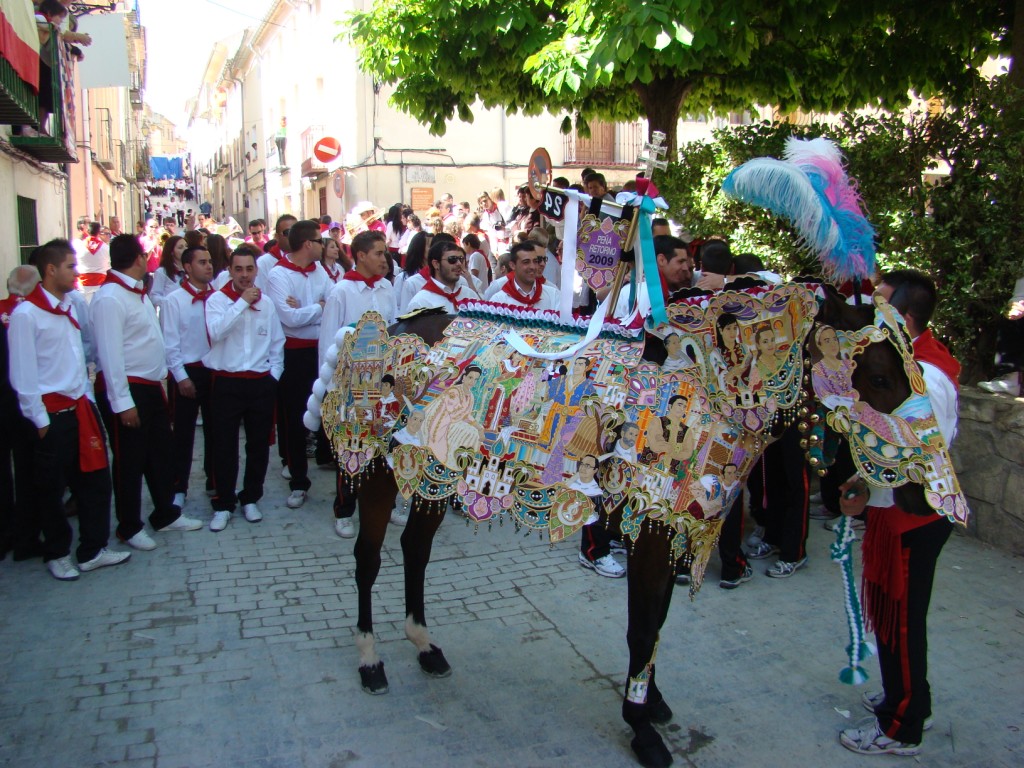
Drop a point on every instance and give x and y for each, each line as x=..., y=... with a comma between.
x=125, y=342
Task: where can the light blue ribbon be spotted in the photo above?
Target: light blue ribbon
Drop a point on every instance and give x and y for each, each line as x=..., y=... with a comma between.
x=650, y=260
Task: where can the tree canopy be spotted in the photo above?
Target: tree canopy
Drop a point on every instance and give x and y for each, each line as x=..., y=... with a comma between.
x=620, y=60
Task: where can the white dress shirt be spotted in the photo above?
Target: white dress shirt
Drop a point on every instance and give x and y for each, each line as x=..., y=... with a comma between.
x=494, y=287
x=46, y=356
x=183, y=320
x=429, y=300
x=308, y=289
x=80, y=302
x=548, y=298
x=264, y=265
x=414, y=284
x=348, y=301
x=243, y=339
x=162, y=286
x=128, y=338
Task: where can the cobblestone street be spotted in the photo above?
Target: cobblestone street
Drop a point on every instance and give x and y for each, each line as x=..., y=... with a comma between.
x=236, y=649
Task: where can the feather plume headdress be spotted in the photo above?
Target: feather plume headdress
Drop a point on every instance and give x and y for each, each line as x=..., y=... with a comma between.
x=809, y=186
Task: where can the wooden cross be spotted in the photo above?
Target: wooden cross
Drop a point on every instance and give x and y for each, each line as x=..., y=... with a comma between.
x=651, y=155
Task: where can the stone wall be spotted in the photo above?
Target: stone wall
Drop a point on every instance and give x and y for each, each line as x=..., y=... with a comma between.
x=988, y=454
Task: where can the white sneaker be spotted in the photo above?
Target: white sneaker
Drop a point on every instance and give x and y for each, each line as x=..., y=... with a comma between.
x=296, y=499
x=286, y=473
x=63, y=569
x=179, y=500
x=220, y=520
x=1001, y=386
x=252, y=513
x=183, y=524
x=142, y=541
x=104, y=558
x=398, y=517
x=604, y=566
x=344, y=528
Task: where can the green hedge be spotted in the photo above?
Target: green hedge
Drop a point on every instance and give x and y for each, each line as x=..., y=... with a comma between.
x=965, y=230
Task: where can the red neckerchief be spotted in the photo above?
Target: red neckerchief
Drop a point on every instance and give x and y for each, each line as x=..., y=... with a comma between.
x=289, y=264
x=115, y=280
x=7, y=306
x=38, y=298
x=276, y=250
x=196, y=295
x=93, y=244
x=512, y=290
x=928, y=349
x=229, y=291
x=333, y=275
x=432, y=287
x=356, y=277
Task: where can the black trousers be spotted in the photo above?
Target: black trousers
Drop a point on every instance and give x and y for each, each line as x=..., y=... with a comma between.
x=730, y=541
x=55, y=466
x=300, y=371
x=595, y=541
x=141, y=452
x=755, y=492
x=19, y=525
x=788, y=490
x=185, y=410
x=345, y=497
x=904, y=664
x=234, y=402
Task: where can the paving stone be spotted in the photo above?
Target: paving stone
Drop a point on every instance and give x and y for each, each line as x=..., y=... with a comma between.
x=237, y=649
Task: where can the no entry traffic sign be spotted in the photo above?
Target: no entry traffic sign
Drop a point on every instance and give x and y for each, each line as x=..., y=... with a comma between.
x=327, y=149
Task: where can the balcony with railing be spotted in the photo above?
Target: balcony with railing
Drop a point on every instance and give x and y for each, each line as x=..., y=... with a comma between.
x=19, y=65
x=53, y=141
x=310, y=165
x=609, y=145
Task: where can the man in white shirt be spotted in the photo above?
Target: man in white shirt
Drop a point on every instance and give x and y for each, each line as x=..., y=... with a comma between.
x=525, y=287
x=298, y=287
x=48, y=372
x=131, y=397
x=277, y=251
x=245, y=360
x=360, y=290
x=442, y=290
x=477, y=262
x=901, y=548
x=93, y=262
x=183, y=321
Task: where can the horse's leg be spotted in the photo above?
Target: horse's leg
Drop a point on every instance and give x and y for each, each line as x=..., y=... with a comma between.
x=650, y=580
x=417, y=541
x=376, y=497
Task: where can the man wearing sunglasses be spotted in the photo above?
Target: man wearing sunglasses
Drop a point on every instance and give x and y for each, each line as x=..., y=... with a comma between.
x=443, y=289
x=298, y=287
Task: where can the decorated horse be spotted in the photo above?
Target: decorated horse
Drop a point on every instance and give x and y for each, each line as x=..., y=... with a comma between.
x=499, y=407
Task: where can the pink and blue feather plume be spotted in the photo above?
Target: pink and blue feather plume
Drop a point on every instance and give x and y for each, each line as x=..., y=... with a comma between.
x=809, y=187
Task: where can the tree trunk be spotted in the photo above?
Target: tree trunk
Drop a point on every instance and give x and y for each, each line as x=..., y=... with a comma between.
x=1017, y=46
x=662, y=100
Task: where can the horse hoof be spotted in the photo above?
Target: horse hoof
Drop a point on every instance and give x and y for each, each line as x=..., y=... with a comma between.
x=659, y=713
x=433, y=663
x=374, y=681
x=652, y=754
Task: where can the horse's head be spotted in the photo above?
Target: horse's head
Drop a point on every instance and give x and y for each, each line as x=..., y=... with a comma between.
x=880, y=377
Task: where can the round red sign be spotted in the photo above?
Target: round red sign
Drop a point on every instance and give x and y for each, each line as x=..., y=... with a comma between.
x=327, y=149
